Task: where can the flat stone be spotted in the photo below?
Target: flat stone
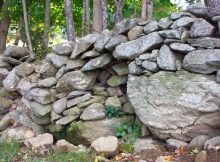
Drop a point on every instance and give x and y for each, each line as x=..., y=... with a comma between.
x=173, y=34
x=74, y=94
x=216, y=18
x=40, y=141
x=95, y=99
x=183, y=22
x=151, y=66
x=41, y=95
x=78, y=100
x=16, y=51
x=117, y=80
x=54, y=116
x=48, y=82
x=121, y=68
x=73, y=111
x=151, y=27
x=57, y=60
x=106, y=145
x=74, y=64
x=136, y=47
x=114, y=91
x=218, y=76
x=94, y=112
x=101, y=42
x=174, y=144
x=198, y=142
x=60, y=105
x=206, y=42
x=66, y=120
x=11, y=61
x=150, y=56
x=165, y=23
x=184, y=48
x=97, y=62
x=135, y=32
x=90, y=54
x=24, y=69
x=64, y=48
x=60, y=72
x=114, y=41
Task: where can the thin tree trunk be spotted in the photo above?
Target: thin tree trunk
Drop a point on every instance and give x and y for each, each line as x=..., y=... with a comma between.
x=104, y=14
x=27, y=31
x=213, y=5
x=84, y=18
x=4, y=27
x=69, y=21
x=119, y=6
x=87, y=15
x=97, y=16
x=147, y=9
x=47, y=23
x=18, y=32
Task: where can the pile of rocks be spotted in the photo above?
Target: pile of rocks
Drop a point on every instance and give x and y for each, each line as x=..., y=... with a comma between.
x=71, y=88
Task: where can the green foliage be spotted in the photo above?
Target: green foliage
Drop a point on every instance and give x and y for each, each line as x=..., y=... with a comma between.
x=8, y=149
x=130, y=133
x=127, y=147
x=111, y=112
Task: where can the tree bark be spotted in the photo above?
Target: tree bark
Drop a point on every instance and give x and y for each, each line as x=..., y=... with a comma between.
x=47, y=23
x=104, y=14
x=18, y=32
x=147, y=9
x=27, y=31
x=97, y=16
x=69, y=21
x=213, y=5
x=85, y=18
x=119, y=6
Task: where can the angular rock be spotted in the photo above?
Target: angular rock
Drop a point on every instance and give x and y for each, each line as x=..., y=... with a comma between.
x=120, y=69
x=78, y=100
x=66, y=120
x=210, y=143
x=47, y=69
x=97, y=62
x=151, y=27
x=150, y=56
x=106, y=145
x=3, y=74
x=134, y=69
x=174, y=144
x=80, y=81
x=117, y=80
x=54, y=116
x=94, y=112
x=90, y=54
x=127, y=108
x=73, y=111
x=43, y=140
x=184, y=48
x=5, y=104
x=173, y=34
x=11, y=61
x=24, y=69
x=57, y=60
x=135, y=32
x=113, y=102
x=4, y=64
x=5, y=122
x=183, y=22
x=60, y=72
x=77, y=94
x=64, y=48
x=114, y=91
x=11, y=81
x=136, y=47
x=141, y=144
x=160, y=100
x=114, y=41
x=165, y=23
x=206, y=42
x=60, y=105
x=95, y=99
x=74, y=64
x=84, y=44
x=16, y=51
x=218, y=76
x=64, y=146
x=41, y=95
x=101, y=42
x=201, y=28
x=151, y=66
x=198, y=142
x=202, y=61
x=48, y=82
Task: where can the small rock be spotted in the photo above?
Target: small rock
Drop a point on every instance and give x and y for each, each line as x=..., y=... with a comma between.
x=201, y=157
x=48, y=82
x=134, y=69
x=151, y=154
x=120, y=69
x=151, y=27
x=60, y=105
x=210, y=143
x=150, y=56
x=74, y=64
x=95, y=99
x=57, y=60
x=73, y=111
x=117, y=80
x=64, y=146
x=198, y=142
x=78, y=100
x=183, y=22
x=11, y=81
x=141, y=144
x=11, y=61
x=24, y=69
x=101, y=42
x=184, y=48
x=47, y=69
x=218, y=76
x=165, y=23
x=90, y=54
x=43, y=140
x=135, y=32
x=114, y=91
x=206, y=42
x=74, y=94
x=54, y=116
x=128, y=108
x=56, y=128
x=114, y=41
x=151, y=66
x=66, y=120
x=5, y=122
x=174, y=144
x=41, y=95
x=173, y=34
x=106, y=145
x=60, y=72
x=64, y=48
x=113, y=102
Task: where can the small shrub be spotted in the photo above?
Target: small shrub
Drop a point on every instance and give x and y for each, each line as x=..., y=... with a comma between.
x=111, y=112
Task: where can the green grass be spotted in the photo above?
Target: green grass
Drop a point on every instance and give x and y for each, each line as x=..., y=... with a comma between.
x=11, y=150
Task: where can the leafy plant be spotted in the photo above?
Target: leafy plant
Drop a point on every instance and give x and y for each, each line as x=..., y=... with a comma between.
x=111, y=111
x=127, y=147
x=130, y=133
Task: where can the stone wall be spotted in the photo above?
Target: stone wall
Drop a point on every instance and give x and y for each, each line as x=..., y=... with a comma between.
x=165, y=72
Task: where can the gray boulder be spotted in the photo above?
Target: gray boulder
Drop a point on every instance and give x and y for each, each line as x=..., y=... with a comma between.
x=11, y=81
x=101, y=42
x=202, y=61
x=212, y=142
x=80, y=81
x=74, y=64
x=151, y=27
x=16, y=51
x=173, y=34
x=198, y=142
x=174, y=144
x=136, y=47
x=57, y=60
x=114, y=41
x=40, y=95
x=47, y=69
x=165, y=23
x=206, y=42
x=184, y=48
x=176, y=105
x=116, y=80
x=24, y=69
x=183, y=22
x=135, y=32
x=151, y=66
x=64, y=48
x=90, y=54
x=78, y=100
x=66, y=119
x=48, y=82
x=60, y=105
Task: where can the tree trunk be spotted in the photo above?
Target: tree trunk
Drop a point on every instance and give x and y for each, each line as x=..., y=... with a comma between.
x=47, y=23
x=213, y=5
x=119, y=6
x=104, y=14
x=97, y=16
x=87, y=15
x=18, y=32
x=147, y=9
x=27, y=31
x=84, y=18
x=4, y=26
x=69, y=20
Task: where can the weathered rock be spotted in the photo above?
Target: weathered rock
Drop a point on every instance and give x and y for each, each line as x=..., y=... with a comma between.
x=117, y=80
x=206, y=42
x=198, y=142
x=114, y=91
x=136, y=47
x=113, y=102
x=141, y=144
x=74, y=64
x=24, y=69
x=202, y=61
x=210, y=143
x=66, y=120
x=3, y=74
x=201, y=28
x=183, y=22
x=160, y=99
x=135, y=32
x=114, y=41
x=78, y=100
x=127, y=108
x=60, y=105
x=11, y=61
x=106, y=145
x=47, y=69
x=5, y=122
x=165, y=23
x=60, y=72
x=97, y=62
x=11, y=81
x=216, y=18
x=170, y=40
x=173, y=34
x=120, y=69
x=73, y=111
x=76, y=94
x=54, y=116
x=5, y=104
x=201, y=156
x=64, y=48
x=41, y=95
x=56, y=128
x=151, y=66
x=64, y=146
x=95, y=99
x=4, y=64
x=93, y=112
x=87, y=131
x=84, y=44
x=16, y=51
x=218, y=76
x=90, y=54
x=48, y=82
x=80, y=81
x=174, y=144
x=150, y=56
x=151, y=154
x=133, y=68
x=101, y=42
x=43, y=140
x=57, y=60
x=151, y=27
x=184, y=48
x=184, y=36
x=166, y=59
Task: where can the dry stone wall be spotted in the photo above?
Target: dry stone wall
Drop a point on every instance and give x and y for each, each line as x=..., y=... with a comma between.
x=166, y=72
